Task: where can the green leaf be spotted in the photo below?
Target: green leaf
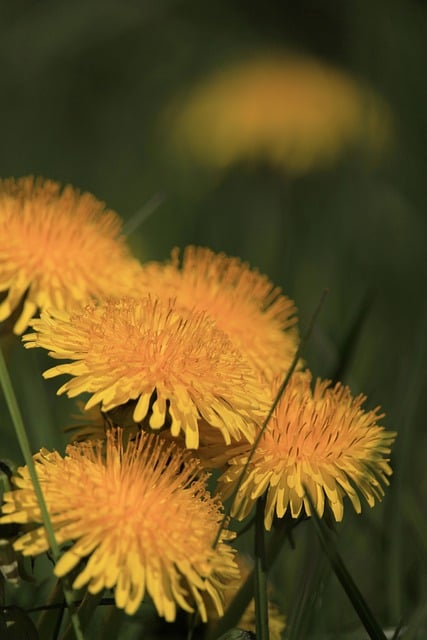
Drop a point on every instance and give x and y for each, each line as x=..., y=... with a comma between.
x=352, y=338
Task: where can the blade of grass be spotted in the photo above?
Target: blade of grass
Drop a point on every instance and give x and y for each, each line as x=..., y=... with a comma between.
x=397, y=632
x=21, y=435
x=261, y=595
x=33, y=397
x=86, y=609
x=279, y=394
x=359, y=604
x=397, y=506
x=352, y=338
x=143, y=213
x=417, y=626
x=304, y=603
x=245, y=594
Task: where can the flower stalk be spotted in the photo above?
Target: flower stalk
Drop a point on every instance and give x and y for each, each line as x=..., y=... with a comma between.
x=21, y=435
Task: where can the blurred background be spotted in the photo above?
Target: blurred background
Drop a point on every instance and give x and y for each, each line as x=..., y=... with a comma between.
x=87, y=93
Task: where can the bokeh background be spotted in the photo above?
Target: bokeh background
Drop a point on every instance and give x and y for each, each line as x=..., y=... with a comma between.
x=84, y=86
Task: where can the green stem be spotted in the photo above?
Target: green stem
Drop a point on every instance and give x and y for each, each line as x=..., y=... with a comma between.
x=245, y=594
x=21, y=435
x=358, y=603
x=280, y=392
x=143, y=214
x=86, y=609
x=261, y=595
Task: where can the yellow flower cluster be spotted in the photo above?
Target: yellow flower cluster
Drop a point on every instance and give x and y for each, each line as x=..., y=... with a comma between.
x=181, y=360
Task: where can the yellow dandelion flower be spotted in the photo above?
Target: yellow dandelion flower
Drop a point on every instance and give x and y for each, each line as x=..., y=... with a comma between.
x=292, y=111
x=256, y=316
x=321, y=440
x=58, y=247
x=139, y=517
x=176, y=367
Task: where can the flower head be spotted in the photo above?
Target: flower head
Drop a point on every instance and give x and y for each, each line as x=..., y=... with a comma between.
x=176, y=367
x=58, y=247
x=320, y=441
x=293, y=111
x=257, y=317
x=140, y=516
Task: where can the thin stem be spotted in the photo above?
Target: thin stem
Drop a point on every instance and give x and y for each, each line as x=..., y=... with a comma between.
x=143, y=213
x=21, y=435
x=279, y=394
x=359, y=604
x=261, y=595
x=245, y=594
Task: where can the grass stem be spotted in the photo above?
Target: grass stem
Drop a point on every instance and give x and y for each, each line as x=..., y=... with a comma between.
x=21, y=435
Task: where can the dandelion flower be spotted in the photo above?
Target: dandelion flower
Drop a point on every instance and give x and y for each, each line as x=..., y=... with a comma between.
x=176, y=367
x=257, y=317
x=58, y=247
x=292, y=111
x=139, y=517
x=321, y=440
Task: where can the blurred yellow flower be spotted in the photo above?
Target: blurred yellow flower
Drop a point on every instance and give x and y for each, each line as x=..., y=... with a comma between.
x=175, y=365
x=259, y=320
x=58, y=247
x=141, y=518
x=321, y=440
x=292, y=111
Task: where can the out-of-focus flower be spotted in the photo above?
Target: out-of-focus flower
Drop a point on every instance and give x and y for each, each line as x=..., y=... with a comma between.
x=292, y=111
x=259, y=320
x=58, y=248
x=174, y=365
x=139, y=516
x=320, y=441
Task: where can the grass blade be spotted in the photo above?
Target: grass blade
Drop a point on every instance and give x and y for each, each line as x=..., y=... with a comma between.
x=352, y=338
x=417, y=626
x=245, y=594
x=21, y=435
x=261, y=593
x=358, y=602
x=143, y=214
x=279, y=394
x=304, y=604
